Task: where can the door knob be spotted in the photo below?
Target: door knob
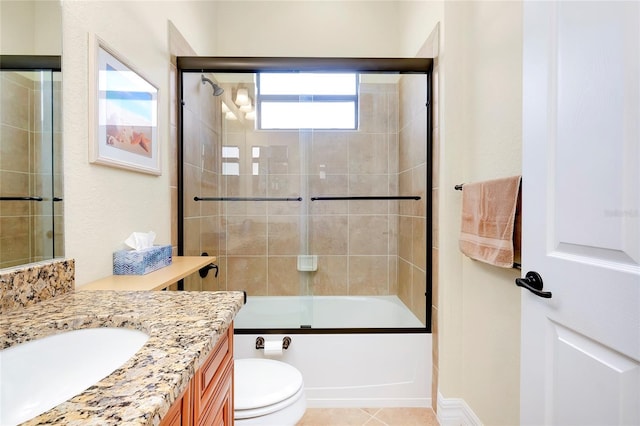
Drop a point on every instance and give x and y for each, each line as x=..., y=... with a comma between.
x=533, y=282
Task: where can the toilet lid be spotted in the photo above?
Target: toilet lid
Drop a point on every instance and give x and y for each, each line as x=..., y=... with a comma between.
x=262, y=382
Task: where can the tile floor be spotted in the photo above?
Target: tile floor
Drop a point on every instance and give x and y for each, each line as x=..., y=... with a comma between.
x=369, y=417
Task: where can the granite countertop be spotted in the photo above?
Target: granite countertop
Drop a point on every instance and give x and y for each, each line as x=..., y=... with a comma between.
x=183, y=328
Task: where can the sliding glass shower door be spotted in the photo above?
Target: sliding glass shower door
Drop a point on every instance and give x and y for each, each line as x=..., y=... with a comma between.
x=306, y=212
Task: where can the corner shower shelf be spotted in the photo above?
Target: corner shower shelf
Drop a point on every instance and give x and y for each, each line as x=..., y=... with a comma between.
x=181, y=266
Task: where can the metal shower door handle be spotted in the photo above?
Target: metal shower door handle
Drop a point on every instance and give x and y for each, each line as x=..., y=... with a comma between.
x=533, y=282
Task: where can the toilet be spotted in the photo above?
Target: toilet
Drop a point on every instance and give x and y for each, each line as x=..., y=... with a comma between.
x=267, y=392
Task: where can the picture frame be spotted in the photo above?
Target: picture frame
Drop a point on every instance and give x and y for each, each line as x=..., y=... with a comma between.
x=123, y=105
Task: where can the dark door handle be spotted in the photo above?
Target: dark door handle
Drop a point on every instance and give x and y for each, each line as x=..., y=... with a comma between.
x=533, y=282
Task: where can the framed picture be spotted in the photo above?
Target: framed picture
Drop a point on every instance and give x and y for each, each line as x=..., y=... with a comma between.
x=124, y=113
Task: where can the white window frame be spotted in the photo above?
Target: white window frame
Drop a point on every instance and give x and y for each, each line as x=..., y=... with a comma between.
x=324, y=98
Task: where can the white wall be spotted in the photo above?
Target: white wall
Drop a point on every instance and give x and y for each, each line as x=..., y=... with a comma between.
x=307, y=28
x=30, y=27
x=418, y=19
x=479, y=304
x=103, y=205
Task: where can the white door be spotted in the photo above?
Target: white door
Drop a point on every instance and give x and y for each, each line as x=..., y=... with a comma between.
x=580, y=360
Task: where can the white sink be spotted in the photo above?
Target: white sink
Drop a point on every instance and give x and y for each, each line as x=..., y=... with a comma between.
x=38, y=375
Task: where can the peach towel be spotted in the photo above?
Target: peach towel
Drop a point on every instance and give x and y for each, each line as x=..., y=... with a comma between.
x=488, y=214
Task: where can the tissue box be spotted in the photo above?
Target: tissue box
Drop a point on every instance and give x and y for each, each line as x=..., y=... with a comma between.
x=140, y=262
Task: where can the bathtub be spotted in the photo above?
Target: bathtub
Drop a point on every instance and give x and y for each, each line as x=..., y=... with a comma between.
x=344, y=369
x=268, y=312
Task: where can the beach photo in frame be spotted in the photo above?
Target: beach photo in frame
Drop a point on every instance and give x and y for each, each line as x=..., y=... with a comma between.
x=124, y=113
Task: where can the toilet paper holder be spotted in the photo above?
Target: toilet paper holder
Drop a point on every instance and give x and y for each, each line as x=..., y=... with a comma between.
x=286, y=341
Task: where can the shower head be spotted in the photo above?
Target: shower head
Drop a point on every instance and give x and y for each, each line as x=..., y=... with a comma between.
x=217, y=90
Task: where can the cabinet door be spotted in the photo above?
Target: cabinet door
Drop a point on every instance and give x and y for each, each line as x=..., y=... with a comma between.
x=180, y=412
x=213, y=384
x=219, y=411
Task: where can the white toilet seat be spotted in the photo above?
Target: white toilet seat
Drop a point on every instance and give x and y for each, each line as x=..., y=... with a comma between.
x=264, y=388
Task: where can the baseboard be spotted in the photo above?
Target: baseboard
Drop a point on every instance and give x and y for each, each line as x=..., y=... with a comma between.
x=456, y=412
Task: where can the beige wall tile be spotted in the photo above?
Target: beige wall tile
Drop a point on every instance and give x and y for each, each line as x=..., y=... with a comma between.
x=284, y=277
x=368, y=153
x=404, y=281
x=191, y=138
x=283, y=186
x=404, y=149
x=418, y=298
x=211, y=233
x=14, y=184
x=14, y=109
x=16, y=245
x=436, y=277
x=329, y=153
x=284, y=208
x=419, y=241
x=368, y=275
x=14, y=149
x=328, y=235
x=210, y=150
x=405, y=234
x=284, y=235
x=405, y=184
x=368, y=235
x=418, y=136
x=331, y=278
x=192, y=188
x=328, y=185
x=246, y=235
x=192, y=236
x=393, y=274
x=247, y=273
x=374, y=112
x=418, y=187
x=366, y=185
x=209, y=187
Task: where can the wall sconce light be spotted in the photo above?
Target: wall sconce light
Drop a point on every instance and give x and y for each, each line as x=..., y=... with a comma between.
x=242, y=97
x=246, y=108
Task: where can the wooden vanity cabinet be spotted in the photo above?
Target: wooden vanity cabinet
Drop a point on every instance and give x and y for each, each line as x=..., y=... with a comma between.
x=208, y=399
x=180, y=412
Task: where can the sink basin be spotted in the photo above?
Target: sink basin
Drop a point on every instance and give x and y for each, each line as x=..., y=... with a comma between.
x=38, y=375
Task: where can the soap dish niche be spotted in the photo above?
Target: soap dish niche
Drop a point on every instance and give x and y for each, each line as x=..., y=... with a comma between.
x=307, y=262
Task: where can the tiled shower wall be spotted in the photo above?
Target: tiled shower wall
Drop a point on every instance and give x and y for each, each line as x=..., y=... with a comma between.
x=412, y=254
x=27, y=229
x=355, y=241
x=202, y=124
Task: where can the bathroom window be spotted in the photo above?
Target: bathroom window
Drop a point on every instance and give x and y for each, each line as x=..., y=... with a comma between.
x=307, y=100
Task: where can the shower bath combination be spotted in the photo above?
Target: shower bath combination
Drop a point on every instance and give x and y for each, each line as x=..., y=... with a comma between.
x=262, y=198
